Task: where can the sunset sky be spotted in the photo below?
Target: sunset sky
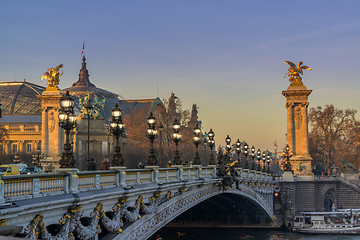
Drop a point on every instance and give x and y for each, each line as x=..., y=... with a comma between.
x=225, y=56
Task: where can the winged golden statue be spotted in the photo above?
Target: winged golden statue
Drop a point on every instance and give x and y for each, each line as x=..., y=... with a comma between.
x=53, y=77
x=294, y=73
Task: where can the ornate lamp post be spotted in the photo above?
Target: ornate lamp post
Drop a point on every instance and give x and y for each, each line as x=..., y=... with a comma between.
x=36, y=156
x=287, y=154
x=238, y=149
x=16, y=158
x=67, y=120
x=268, y=160
x=117, y=128
x=88, y=107
x=196, y=141
x=211, y=141
x=246, y=153
x=228, y=146
x=258, y=155
x=152, y=134
x=253, y=167
x=176, y=139
x=264, y=159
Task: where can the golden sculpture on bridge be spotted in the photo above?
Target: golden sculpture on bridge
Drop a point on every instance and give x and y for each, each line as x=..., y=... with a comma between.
x=53, y=77
x=294, y=73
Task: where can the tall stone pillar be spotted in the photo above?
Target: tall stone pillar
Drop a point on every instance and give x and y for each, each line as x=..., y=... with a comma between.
x=51, y=133
x=297, y=128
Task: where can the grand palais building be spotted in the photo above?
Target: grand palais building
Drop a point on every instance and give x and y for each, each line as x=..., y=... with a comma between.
x=30, y=117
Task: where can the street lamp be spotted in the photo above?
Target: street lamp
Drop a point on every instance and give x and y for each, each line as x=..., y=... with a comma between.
x=287, y=154
x=88, y=107
x=268, y=160
x=238, y=149
x=117, y=127
x=36, y=156
x=246, y=153
x=16, y=158
x=152, y=134
x=264, y=159
x=258, y=155
x=228, y=146
x=196, y=141
x=211, y=135
x=176, y=138
x=67, y=121
x=253, y=167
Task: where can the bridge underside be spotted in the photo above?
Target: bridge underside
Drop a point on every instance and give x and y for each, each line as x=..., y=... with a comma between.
x=224, y=210
x=205, y=206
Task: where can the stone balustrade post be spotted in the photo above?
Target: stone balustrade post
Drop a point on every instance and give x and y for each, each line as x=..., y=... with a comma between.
x=2, y=191
x=179, y=172
x=66, y=184
x=74, y=182
x=154, y=173
x=198, y=170
x=120, y=176
x=72, y=179
x=138, y=181
x=97, y=181
x=36, y=187
x=213, y=170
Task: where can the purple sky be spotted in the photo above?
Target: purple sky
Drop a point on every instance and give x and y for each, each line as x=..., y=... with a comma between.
x=226, y=56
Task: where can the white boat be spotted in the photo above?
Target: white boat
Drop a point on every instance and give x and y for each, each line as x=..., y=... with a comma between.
x=340, y=222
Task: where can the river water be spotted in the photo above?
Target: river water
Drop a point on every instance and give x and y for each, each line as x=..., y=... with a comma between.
x=240, y=234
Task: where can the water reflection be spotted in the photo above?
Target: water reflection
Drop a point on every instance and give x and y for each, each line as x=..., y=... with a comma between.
x=240, y=234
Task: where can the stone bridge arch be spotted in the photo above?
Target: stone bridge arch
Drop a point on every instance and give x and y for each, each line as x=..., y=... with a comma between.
x=168, y=211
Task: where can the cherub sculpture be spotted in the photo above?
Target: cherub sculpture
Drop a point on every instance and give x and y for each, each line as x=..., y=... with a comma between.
x=53, y=77
x=294, y=72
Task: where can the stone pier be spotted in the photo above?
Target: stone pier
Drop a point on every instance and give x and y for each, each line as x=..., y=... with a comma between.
x=297, y=128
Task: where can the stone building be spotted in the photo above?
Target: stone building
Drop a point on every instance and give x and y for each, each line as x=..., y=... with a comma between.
x=30, y=116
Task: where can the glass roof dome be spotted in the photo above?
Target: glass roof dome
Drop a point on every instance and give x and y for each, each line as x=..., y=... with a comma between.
x=20, y=98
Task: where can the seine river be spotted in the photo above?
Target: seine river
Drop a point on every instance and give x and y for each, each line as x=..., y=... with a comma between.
x=239, y=234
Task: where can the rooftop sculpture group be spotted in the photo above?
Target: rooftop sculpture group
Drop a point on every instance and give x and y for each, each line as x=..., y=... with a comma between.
x=294, y=73
x=53, y=77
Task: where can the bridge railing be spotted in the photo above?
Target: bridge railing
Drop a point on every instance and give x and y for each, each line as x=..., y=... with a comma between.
x=21, y=187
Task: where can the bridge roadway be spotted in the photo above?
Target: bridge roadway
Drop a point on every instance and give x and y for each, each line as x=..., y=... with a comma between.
x=119, y=203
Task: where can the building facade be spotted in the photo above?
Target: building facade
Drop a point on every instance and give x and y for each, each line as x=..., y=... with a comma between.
x=30, y=118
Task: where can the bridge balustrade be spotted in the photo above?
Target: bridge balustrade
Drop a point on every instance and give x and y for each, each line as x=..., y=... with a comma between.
x=165, y=185
x=38, y=185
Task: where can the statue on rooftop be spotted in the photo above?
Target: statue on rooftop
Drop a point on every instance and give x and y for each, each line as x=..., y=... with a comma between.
x=53, y=77
x=294, y=73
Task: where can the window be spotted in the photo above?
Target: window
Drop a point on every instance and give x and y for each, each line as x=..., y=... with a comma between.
x=29, y=147
x=14, y=148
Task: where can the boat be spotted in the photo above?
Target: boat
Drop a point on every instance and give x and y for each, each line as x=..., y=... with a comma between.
x=343, y=221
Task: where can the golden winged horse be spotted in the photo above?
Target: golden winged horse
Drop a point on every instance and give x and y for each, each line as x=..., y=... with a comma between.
x=53, y=77
x=294, y=72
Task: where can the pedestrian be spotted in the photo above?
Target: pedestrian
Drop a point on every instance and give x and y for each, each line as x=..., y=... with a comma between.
x=169, y=164
x=186, y=164
x=92, y=165
x=106, y=165
x=140, y=165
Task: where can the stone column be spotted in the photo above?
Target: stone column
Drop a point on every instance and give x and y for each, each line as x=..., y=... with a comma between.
x=51, y=133
x=297, y=129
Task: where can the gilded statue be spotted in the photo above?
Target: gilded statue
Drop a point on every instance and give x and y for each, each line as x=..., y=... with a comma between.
x=97, y=106
x=294, y=73
x=53, y=77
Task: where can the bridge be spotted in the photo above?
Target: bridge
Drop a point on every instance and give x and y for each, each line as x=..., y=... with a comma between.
x=119, y=203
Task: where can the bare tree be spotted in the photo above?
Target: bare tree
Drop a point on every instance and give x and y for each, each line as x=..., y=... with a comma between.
x=164, y=147
x=332, y=136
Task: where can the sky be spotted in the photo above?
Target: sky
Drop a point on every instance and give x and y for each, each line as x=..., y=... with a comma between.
x=225, y=56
